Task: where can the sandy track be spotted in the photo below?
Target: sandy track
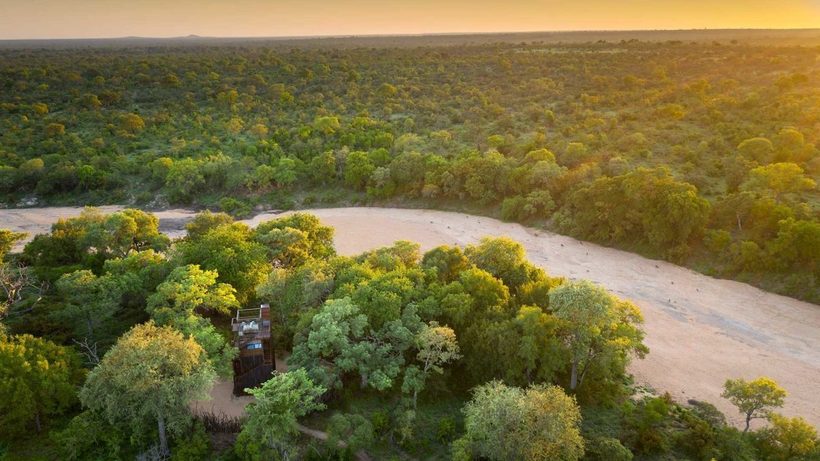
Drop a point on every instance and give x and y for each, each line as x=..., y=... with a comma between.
x=700, y=330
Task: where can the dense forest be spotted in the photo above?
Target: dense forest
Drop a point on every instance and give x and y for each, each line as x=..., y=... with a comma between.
x=699, y=152
x=109, y=330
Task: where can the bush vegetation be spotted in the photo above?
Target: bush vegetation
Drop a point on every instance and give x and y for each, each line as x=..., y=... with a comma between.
x=698, y=152
x=470, y=353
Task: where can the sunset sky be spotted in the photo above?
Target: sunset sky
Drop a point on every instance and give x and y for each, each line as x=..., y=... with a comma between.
x=246, y=18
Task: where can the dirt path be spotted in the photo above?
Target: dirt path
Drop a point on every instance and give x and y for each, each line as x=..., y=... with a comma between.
x=700, y=330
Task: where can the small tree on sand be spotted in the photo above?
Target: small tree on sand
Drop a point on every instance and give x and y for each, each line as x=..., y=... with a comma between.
x=755, y=399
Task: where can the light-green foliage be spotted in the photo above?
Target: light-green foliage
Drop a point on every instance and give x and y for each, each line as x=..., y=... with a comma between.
x=788, y=439
x=502, y=257
x=341, y=340
x=759, y=149
x=754, y=399
x=501, y=423
x=205, y=221
x=448, y=262
x=437, y=346
x=146, y=381
x=232, y=253
x=333, y=332
x=119, y=233
x=291, y=292
x=7, y=241
x=91, y=302
x=38, y=381
x=273, y=416
x=538, y=354
x=779, y=179
x=294, y=239
x=358, y=169
x=597, y=326
x=180, y=301
x=189, y=289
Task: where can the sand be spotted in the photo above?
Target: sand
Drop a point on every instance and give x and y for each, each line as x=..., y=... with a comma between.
x=700, y=330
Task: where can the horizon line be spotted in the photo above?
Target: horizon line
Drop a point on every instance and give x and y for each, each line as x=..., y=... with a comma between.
x=409, y=34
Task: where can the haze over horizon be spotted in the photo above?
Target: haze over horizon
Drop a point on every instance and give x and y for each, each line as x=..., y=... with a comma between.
x=55, y=19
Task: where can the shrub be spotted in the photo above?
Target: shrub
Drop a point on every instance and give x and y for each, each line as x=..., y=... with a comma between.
x=446, y=429
x=381, y=421
x=195, y=447
x=606, y=449
x=235, y=208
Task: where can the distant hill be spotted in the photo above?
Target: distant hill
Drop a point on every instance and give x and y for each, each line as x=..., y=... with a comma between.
x=806, y=37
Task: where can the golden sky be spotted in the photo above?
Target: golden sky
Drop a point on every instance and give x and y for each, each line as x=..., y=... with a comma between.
x=247, y=18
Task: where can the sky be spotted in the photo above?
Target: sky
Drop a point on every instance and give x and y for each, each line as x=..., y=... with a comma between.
x=24, y=19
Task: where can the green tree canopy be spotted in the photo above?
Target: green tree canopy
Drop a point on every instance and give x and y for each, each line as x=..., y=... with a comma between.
x=754, y=399
x=437, y=346
x=341, y=340
x=205, y=221
x=7, y=241
x=182, y=299
x=91, y=303
x=502, y=423
x=273, y=416
x=596, y=326
x=758, y=149
x=148, y=379
x=447, y=261
x=232, y=253
x=119, y=233
x=788, y=439
x=293, y=239
x=504, y=258
x=779, y=179
x=38, y=381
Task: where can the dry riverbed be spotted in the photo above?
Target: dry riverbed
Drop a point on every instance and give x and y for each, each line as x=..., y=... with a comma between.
x=700, y=330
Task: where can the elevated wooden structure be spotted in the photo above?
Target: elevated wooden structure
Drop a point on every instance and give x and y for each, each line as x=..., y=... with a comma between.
x=255, y=363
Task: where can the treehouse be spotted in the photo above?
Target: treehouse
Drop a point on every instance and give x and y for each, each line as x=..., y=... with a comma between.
x=255, y=363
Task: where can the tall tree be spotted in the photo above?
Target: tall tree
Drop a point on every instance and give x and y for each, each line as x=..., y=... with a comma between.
x=129, y=230
x=779, y=179
x=148, y=379
x=596, y=325
x=293, y=239
x=205, y=221
x=341, y=340
x=436, y=346
x=91, y=303
x=232, y=253
x=502, y=257
x=538, y=353
x=447, y=261
x=273, y=416
x=182, y=299
x=38, y=380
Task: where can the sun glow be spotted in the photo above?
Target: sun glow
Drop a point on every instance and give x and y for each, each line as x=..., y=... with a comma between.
x=246, y=18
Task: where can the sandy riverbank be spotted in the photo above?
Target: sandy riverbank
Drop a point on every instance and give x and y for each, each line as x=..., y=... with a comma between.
x=700, y=330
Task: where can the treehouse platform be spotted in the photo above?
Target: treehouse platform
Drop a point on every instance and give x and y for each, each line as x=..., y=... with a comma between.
x=252, y=336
